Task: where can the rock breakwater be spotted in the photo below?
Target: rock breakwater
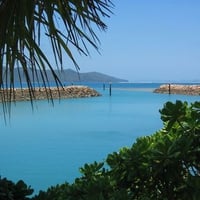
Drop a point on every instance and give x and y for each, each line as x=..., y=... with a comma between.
x=178, y=89
x=48, y=93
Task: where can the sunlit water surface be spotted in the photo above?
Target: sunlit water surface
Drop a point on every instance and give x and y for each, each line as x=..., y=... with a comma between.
x=49, y=144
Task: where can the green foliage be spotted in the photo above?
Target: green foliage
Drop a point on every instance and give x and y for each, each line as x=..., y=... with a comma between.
x=67, y=25
x=163, y=166
x=12, y=191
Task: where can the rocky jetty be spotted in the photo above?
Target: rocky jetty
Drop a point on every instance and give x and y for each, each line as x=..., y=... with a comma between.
x=49, y=93
x=178, y=89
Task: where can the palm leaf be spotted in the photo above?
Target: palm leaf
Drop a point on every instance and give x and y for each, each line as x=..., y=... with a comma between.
x=67, y=24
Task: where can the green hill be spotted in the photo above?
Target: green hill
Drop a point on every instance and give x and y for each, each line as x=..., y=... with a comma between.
x=68, y=75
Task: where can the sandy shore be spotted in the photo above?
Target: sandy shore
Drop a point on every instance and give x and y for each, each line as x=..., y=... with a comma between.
x=53, y=92
x=178, y=89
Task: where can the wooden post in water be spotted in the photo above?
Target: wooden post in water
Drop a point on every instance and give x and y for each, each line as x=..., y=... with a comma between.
x=110, y=89
x=169, y=88
x=104, y=86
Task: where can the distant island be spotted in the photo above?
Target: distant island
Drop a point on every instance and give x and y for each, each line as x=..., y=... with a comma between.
x=68, y=75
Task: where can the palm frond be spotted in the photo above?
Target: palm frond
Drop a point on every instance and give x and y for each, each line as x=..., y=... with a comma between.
x=67, y=23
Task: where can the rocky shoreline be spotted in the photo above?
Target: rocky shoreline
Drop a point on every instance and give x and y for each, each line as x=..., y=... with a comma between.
x=49, y=93
x=178, y=89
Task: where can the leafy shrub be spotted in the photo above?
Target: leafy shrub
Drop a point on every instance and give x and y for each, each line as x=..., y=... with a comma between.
x=163, y=166
x=11, y=191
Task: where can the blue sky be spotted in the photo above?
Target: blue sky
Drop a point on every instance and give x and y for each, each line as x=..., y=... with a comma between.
x=149, y=40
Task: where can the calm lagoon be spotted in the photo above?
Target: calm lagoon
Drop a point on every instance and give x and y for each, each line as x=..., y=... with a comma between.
x=49, y=144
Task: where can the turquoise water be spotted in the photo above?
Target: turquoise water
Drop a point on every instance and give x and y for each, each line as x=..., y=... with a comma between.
x=47, y=145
